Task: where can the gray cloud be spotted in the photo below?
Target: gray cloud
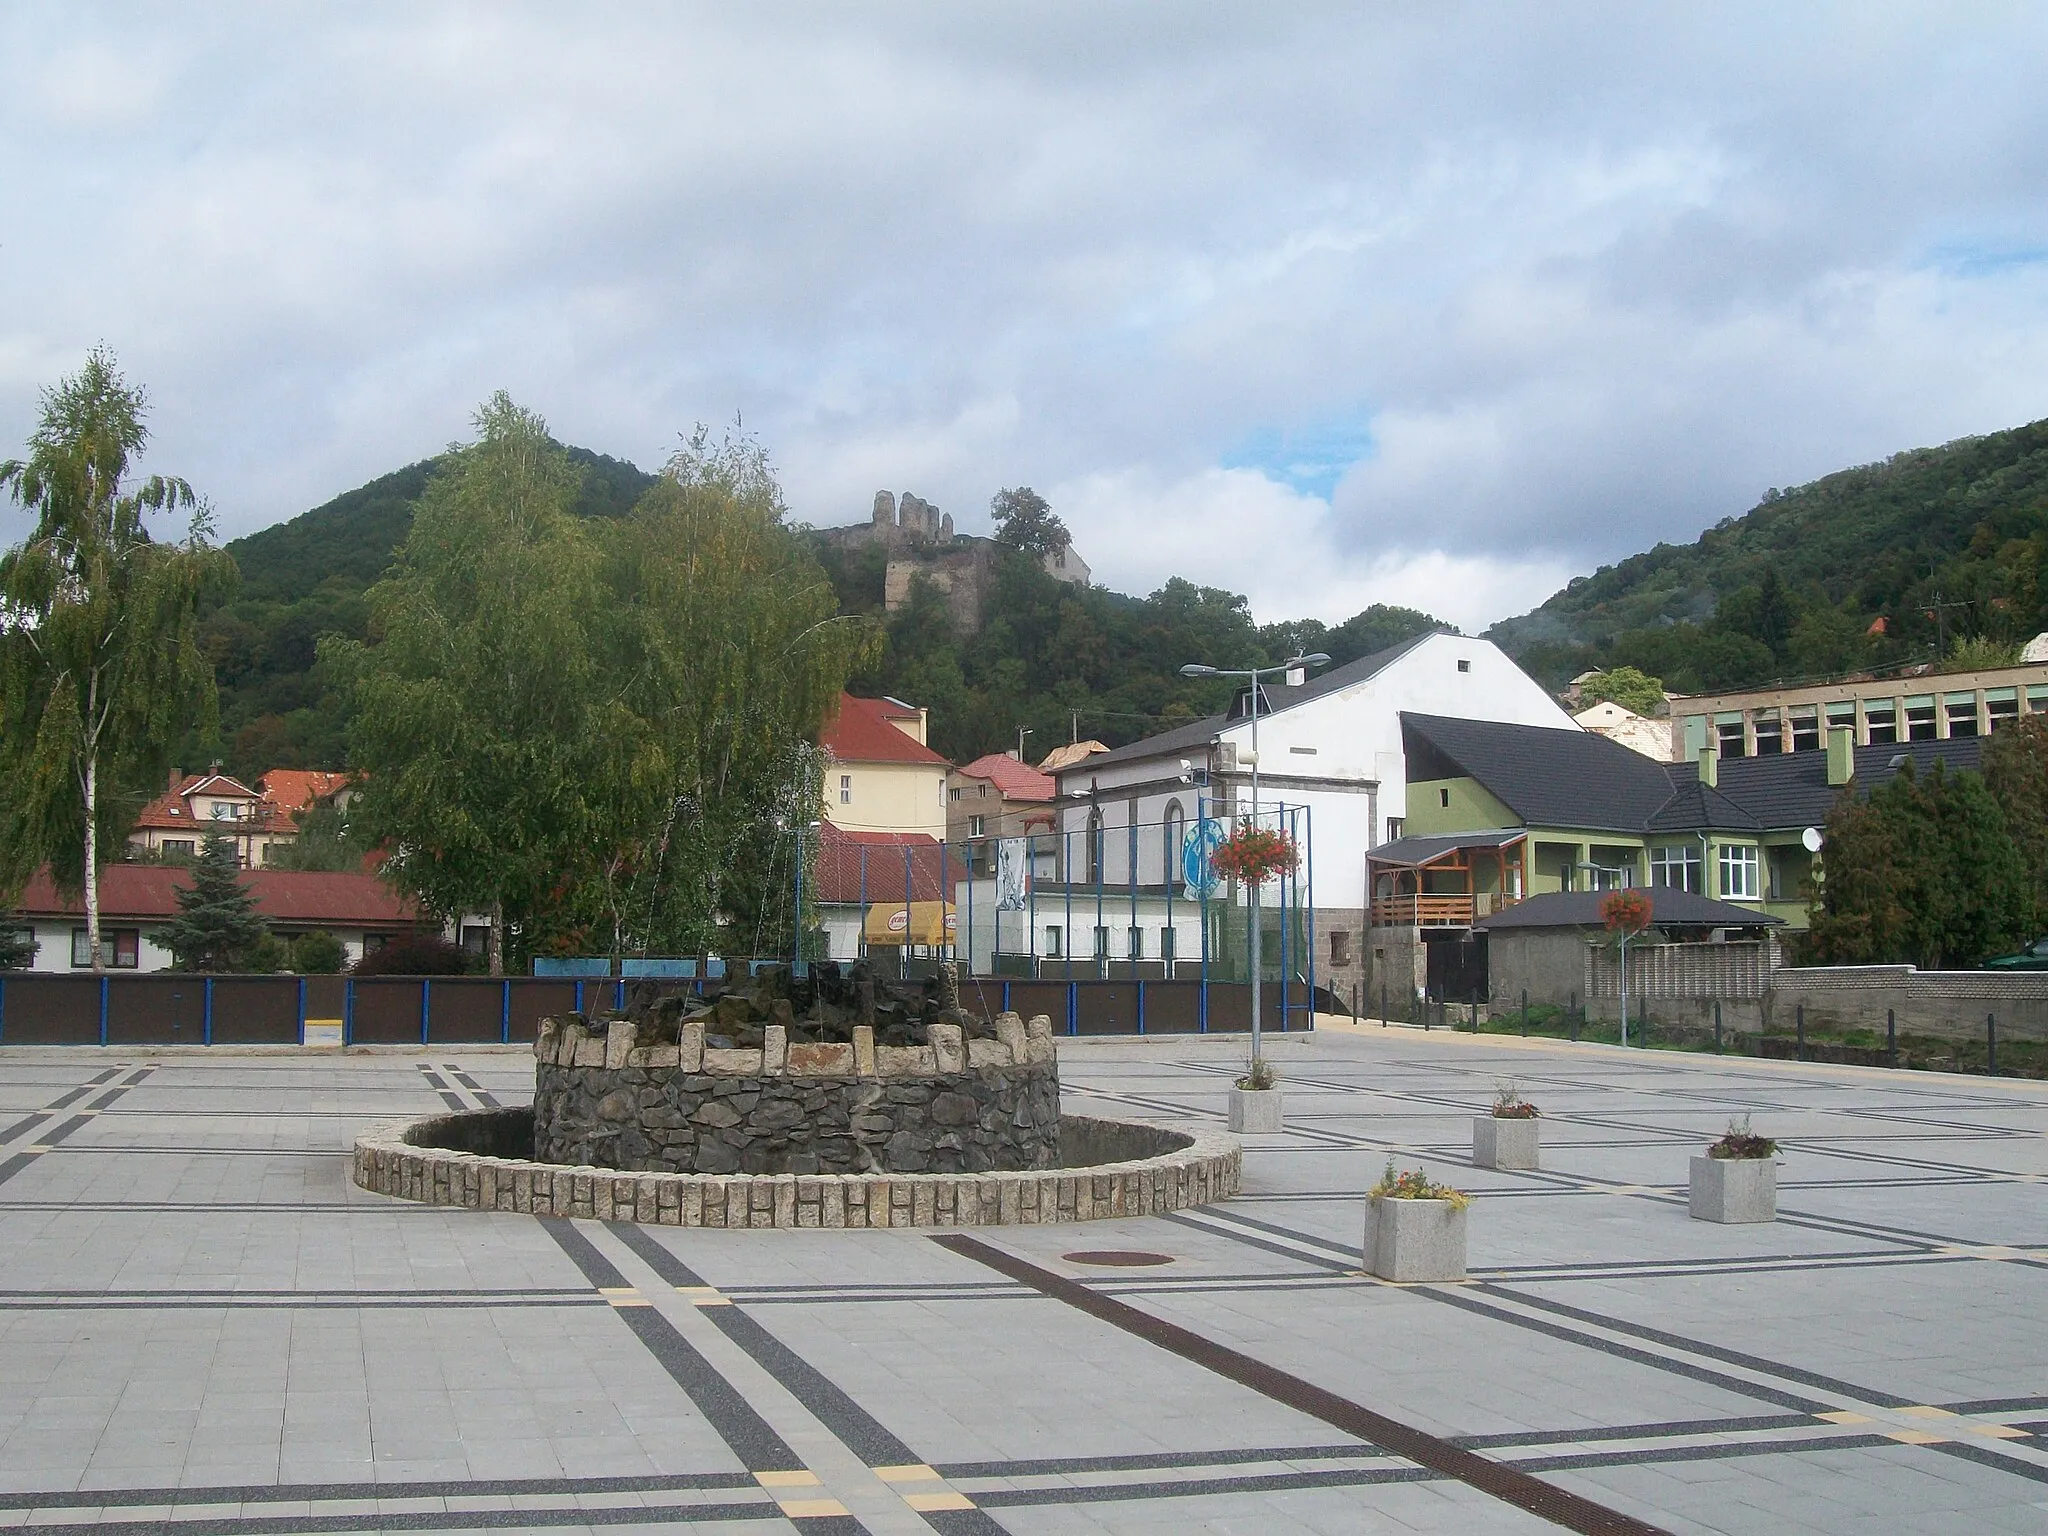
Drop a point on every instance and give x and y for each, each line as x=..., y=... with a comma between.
x=1574, y=279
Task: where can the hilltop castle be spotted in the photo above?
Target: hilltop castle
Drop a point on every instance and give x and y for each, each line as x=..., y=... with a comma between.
x=921, y=541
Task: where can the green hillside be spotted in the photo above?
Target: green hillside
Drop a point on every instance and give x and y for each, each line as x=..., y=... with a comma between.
x=1942, y=545
x=306, y=578
x=1052, y=658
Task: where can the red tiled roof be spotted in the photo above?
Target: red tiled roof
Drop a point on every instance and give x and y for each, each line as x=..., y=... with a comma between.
x=841, y=854
x=149, y=891
x=293, y=790
x=1014, y=780
x=173, y=809
x=861, y=733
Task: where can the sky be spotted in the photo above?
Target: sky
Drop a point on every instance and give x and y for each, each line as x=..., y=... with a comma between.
x=1325, y=304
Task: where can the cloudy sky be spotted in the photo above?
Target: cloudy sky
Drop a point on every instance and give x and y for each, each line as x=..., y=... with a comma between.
x=1330, y=305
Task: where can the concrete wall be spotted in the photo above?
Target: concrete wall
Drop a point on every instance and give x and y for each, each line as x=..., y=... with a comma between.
x=1547, y=963
x=1950, y=1004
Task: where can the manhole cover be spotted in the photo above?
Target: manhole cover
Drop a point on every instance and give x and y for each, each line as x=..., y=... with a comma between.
x=1119, y=1258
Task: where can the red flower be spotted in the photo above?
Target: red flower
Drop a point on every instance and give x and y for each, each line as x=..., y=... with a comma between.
x=1255, y=855
x=1625, y=911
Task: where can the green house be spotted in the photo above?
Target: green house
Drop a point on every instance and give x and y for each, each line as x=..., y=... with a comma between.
x=1498, y=812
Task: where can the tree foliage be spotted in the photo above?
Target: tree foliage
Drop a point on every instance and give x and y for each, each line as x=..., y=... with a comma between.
x=2016, y=771
x=1922, y=871
x=596, y=731
x=217, y=927
x=101, y=670
x=1025, y=520
x=1626, y=686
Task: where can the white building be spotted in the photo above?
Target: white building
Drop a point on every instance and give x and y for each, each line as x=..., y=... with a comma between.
x=1329, y=748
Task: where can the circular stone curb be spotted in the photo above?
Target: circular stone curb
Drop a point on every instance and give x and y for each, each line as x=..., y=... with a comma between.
x=1204, y=1166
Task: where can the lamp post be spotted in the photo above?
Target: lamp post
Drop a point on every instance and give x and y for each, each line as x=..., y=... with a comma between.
x=1297, y=663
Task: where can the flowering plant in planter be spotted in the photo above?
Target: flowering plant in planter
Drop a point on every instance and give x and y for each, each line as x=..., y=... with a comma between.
x=1255, y=855
x=1626, y=912
x=1414, y=1184
x=1259, y=1075
x=1508, y=1104
x=1739, y=1143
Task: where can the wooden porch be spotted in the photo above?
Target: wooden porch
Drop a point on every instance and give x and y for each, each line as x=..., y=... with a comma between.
x=1436, y=881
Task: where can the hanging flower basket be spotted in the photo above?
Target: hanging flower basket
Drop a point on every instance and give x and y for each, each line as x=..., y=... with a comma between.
x=1255, y=855
x=1626, y=912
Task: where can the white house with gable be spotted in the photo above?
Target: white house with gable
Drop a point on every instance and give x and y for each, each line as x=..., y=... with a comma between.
x=1329, y=744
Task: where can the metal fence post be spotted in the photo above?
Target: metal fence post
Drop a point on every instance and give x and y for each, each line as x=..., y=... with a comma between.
x=302, y=1015
x=206, y=1015
x=505, y=1014
x=426, y=1002
x=1383, y=1002
x=103, y=1009
x=348, y=1010
x=1991, y=1044
x=1525, y=1013
x=1425, y=1013
x=1141, y=1007
x=1799, y=1029
x=1891, y=1038
x=1574, y=1017
x=1717, y=1026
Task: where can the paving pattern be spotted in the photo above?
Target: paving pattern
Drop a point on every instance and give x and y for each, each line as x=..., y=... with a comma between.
x=205, y=1327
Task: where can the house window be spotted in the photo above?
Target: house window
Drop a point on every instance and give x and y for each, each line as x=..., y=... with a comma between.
x=1136, y=940
x=1677, y=868
x=270, y=852
x=1464, y=665
x=1176, y=834
x=1340, y=947
x=1962, y=715
x=952, y=794
x=846, y=789
x=1166, y=943
x=982, y=790
x=1443, y=799
x=1732, y=742
x=476, y=938
x=1770, y=736
x=1102, y=943
x=1394, y=826
x=1052, y=940
x=977, y=826
x=1881, y=716
x=121, y=946
x=1738, y=872
x=2001, y=706
x=1789, y=870
x=184, y=846
x=1806, y=730
x=26, y=938
x=1920, y=724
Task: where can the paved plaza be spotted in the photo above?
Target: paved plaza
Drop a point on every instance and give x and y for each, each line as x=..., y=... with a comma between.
x=205, y=1327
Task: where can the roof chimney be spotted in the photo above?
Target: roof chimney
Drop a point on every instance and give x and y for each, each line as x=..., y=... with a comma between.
x=1710, y=766
x=1841, y=755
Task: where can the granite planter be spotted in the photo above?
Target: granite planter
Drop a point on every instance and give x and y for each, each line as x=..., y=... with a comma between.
x=1734, y=1189
x=1254, y=1109
x=1509, y=1144
x=1414, y=1240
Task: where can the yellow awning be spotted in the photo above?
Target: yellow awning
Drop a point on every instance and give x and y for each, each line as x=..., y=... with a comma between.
x=917, y=922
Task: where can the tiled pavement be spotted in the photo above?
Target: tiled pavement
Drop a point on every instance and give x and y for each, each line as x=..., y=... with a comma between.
x=203, y=1326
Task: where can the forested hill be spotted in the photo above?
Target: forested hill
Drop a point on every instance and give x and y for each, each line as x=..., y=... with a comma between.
x=306, y=578
x=1934, y=548
x=1051, y=658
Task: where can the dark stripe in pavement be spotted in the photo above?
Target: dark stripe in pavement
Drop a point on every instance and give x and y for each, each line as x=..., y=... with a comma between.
x=860, y=1431
x=1509, y=1484
x=65, y=1127
x=748, y=1435
x=452, y=1520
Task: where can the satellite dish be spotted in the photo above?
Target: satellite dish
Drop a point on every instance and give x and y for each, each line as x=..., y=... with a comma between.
x=1811, y=839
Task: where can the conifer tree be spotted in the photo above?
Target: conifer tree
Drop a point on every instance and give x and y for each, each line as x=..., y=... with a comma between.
x=217, y=927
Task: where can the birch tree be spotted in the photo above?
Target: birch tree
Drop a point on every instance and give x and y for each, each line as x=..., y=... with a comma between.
x=101, y=670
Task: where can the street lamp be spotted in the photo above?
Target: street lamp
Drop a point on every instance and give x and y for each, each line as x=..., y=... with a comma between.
x=1297, y=663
